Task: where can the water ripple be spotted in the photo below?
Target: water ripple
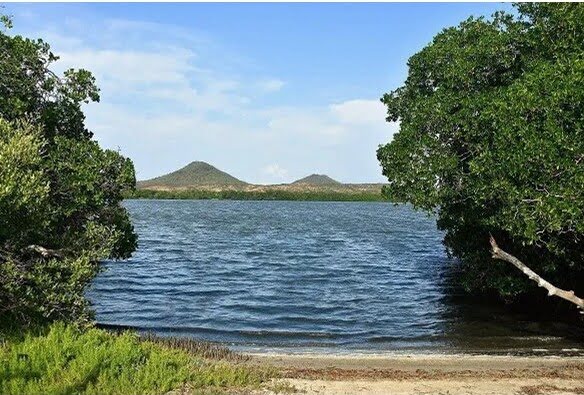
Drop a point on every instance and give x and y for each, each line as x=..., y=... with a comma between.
x=297, y=274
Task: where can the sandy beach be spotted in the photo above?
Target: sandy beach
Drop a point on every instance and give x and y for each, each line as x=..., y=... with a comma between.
x=429, y=374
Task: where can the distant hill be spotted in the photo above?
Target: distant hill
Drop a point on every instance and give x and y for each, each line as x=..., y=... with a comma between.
x=317, y=179
x=200, y=180
x=192, y=175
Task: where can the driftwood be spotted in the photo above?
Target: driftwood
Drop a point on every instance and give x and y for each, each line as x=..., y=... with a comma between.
x=552, y=290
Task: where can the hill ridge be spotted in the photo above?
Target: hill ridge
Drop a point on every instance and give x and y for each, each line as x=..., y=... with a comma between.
x=317, y=179
x=196, y=173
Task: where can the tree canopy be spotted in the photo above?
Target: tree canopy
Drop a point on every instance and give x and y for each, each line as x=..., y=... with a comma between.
x=60, y=192
x=491, y=139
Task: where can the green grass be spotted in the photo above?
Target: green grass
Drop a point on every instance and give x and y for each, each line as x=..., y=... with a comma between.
x=65, y=360
x=321, y=195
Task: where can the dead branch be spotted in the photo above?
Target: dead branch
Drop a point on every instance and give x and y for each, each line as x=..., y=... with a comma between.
x=44, y=252
x=552, y=290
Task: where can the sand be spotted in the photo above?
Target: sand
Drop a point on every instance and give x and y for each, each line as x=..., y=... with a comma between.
x=428, y=374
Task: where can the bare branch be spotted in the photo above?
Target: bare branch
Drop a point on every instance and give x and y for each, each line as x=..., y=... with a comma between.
x=44, y=252
x=552, y=290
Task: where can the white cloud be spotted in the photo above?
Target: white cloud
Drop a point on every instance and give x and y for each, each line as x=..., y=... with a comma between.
x=359, y=111
x=274, y=170
x=130, y=67
x=335, y=121
x=172, y=75
x=311, y=123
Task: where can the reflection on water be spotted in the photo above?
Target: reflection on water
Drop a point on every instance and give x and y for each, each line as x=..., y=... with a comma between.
x=304, y=276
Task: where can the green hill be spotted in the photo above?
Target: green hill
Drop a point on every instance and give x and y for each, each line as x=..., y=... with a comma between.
x=192, y=175
x=317, y=179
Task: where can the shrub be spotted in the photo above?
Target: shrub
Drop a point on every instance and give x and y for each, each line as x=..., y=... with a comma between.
x=60, y=193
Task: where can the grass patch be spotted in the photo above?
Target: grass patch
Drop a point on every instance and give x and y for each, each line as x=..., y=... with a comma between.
x=65, y=360
x=203, y=349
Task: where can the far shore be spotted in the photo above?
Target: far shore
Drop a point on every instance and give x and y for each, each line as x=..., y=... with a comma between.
x=428, y=374
x=342, y=192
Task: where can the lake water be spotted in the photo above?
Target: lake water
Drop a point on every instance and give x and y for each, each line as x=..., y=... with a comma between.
x=305, y=276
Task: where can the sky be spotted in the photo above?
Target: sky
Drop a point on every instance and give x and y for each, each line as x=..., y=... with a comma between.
x=266, y=92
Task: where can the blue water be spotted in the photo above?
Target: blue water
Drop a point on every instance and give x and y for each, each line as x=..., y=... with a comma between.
x=304, y=276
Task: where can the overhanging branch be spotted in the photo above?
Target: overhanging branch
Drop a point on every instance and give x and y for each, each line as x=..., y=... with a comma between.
x=552, y=290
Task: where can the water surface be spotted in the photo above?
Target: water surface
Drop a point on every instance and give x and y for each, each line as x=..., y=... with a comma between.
x=305, y=276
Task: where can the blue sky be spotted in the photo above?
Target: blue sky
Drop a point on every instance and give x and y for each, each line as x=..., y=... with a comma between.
x=267, y=92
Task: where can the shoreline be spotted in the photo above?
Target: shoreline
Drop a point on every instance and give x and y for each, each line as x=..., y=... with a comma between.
x=412, y=361
x=408, y=353
x=348, y=192
x=428, y=374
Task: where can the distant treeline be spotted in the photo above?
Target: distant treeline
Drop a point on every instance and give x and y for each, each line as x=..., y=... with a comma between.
x=366, y=196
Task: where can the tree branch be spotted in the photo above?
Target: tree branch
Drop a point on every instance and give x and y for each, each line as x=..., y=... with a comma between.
x=45, y=252
x=552, y=290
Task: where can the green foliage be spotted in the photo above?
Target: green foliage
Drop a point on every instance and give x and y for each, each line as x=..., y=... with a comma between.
x=266, y=194
x=64, y=360
x=58, y=189
x=22, y=187
x=491, y=139
x=53, y=289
